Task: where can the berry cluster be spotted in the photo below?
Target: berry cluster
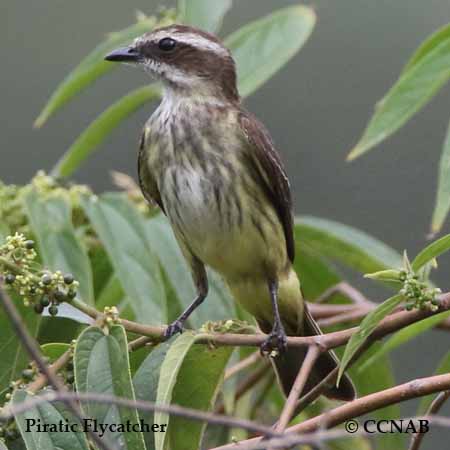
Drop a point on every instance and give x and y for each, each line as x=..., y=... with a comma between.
x=419, y=293
x=39, y=288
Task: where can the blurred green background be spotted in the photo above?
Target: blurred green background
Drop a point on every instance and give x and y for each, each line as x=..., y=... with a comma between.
x=316, y=109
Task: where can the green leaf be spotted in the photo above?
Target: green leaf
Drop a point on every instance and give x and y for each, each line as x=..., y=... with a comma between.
x=431, y=252
x=145, y=383
x=204, y=14
x=47, y=414
x=428, y=46
x=443, y=367
x=168, y=377
x=346, y=244
x=122, y=231
x=101, y=365
x=405, y=335
x=366, y=328
x=54, y=350
x=59, y=247
x=442, y=206
x=101, y=127
x=218, y=306
x=13, y=358
x=190, y=376
x=427, y=72
x=91, y=68
x=197, y=385
x=264, y=46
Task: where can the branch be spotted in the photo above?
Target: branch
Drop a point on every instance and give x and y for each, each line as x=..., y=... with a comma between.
x=361, y=406
x=318, y=438
x=331, y=340
x=299, y=383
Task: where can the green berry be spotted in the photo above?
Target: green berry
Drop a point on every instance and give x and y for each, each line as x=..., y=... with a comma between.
x=60, y=296
x=68, y=278
x=53, y=310
x=10, y=278
x=45, y=301
x=71, y=294
x=38, y=308
x=46, y=279
x=29, y=244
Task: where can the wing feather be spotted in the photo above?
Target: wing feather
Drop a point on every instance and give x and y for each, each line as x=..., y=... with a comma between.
x=267, y=162
x=147, y=181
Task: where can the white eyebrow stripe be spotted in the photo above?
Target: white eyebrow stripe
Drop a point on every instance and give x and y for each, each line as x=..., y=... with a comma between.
x=201, y=42
x=193, y=39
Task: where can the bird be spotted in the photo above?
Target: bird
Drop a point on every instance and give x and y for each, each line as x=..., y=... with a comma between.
x=212, y=168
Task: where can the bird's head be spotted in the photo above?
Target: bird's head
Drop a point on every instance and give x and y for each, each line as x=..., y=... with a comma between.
x=186, y=60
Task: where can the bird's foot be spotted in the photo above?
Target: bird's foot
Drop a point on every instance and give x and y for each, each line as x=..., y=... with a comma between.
x=276, y=342
x=172, y=329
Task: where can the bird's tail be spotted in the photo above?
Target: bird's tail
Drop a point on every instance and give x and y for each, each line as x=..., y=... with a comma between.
x=287, y=365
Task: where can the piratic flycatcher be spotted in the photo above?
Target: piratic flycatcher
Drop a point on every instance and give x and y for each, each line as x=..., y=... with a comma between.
x=213, y=170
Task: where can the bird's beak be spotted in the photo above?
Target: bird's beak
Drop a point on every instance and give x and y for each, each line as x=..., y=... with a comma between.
x=125, y=54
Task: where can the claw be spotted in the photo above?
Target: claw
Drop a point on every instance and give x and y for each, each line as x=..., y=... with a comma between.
x=275, y=344
x=174, y=328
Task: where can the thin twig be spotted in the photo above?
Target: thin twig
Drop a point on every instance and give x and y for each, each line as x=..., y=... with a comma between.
x=299, y=383
x=188, y=413
x=435, y=406
x=339, y=319
x=319, y=311
x=317, y=390
x=33, y=350
x=348, y=291
x=242, y=365
x=41, y=380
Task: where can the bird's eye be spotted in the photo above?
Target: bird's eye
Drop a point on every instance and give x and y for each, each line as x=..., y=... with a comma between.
x=167, y=44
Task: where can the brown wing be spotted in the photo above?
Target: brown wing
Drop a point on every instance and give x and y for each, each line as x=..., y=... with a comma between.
x=268, y=164
x=146, y=180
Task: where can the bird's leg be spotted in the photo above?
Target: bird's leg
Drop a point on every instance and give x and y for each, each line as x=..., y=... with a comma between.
x=177, y=325
x=201, y=282
x=276, y=340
